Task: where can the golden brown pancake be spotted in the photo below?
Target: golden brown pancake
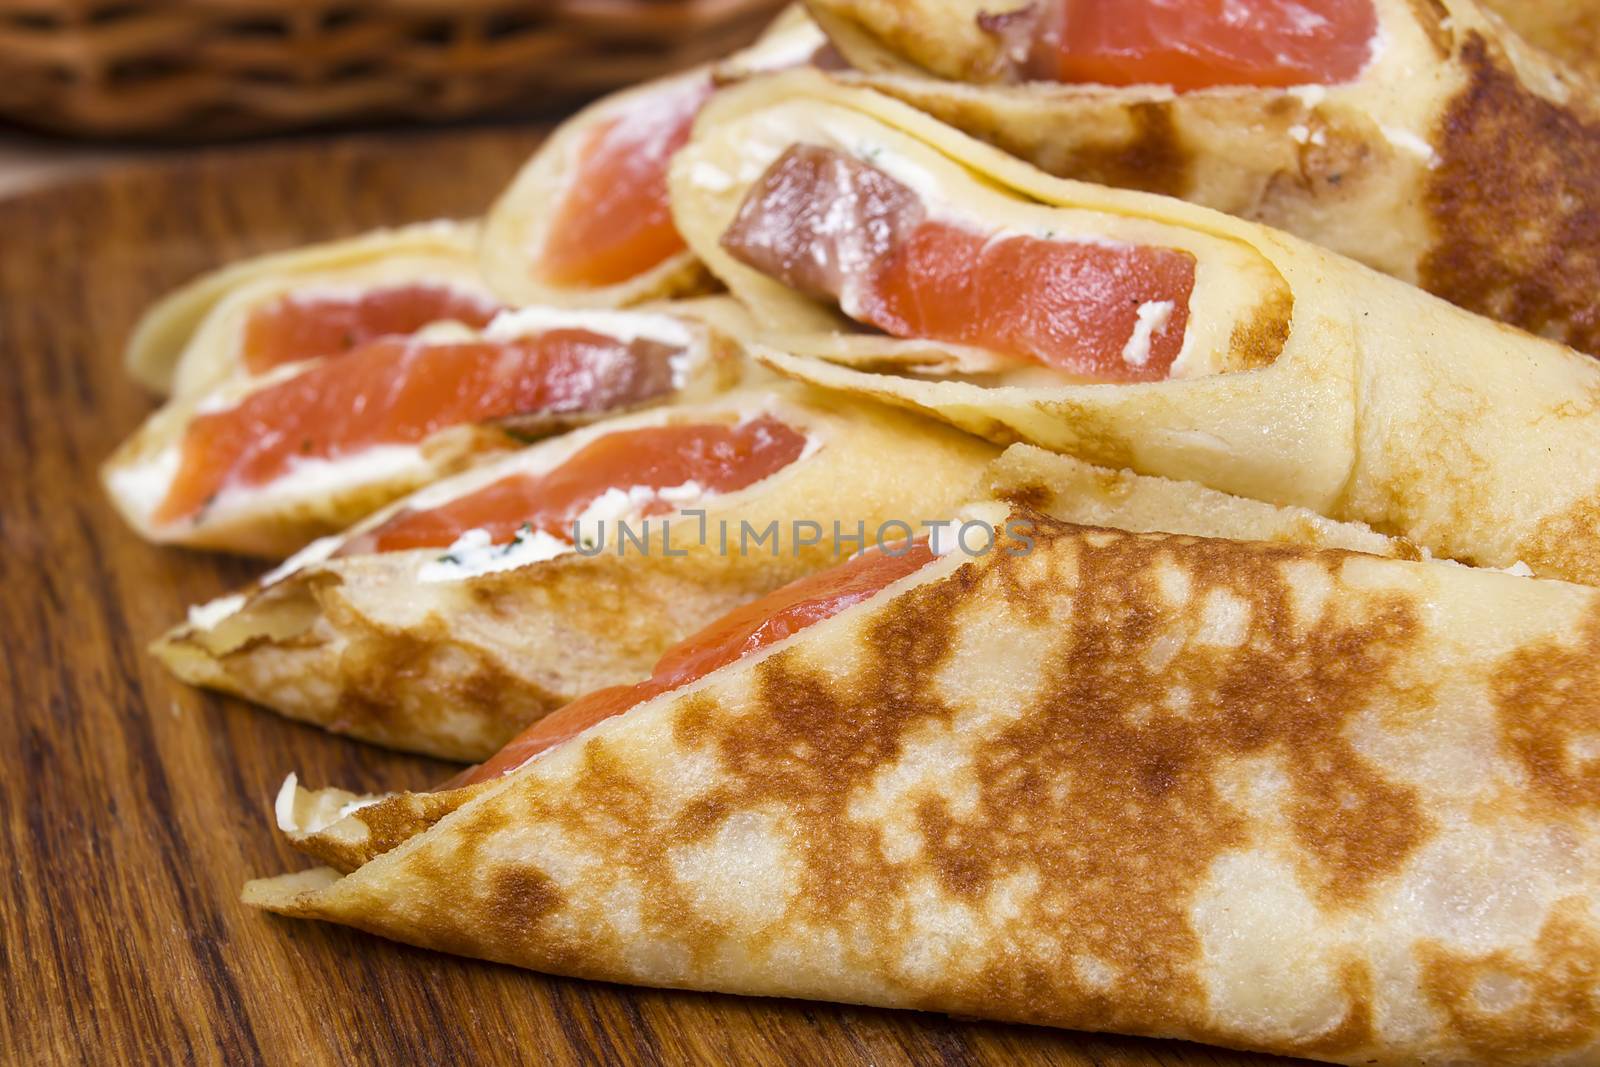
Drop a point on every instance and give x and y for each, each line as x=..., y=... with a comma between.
x=1302, y=801
x=1304, y=379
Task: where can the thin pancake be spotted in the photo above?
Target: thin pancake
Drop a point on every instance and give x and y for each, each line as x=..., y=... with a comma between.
x=1344, y=392
x=373, y=646
x=1300, y=801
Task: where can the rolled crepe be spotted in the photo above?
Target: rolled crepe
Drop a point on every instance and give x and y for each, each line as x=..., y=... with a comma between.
x=1445, y=151
x=263, y=465
x=1188, y=344
x=586, y=222
x=237, y=320
x=1567, y=29
x=443, y=625
x=1301, y=801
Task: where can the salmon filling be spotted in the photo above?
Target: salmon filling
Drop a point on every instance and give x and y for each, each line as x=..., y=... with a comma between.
x=780, y=614
x=398, y=392
x=614, y=222
x=715, y=458
x=837, y=229
x=1201, y=44
x=292, y=328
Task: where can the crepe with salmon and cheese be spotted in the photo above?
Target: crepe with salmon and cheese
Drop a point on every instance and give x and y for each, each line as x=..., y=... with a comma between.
x=263, y=465
x=887, y=255
x=1060, y=487
x=1301, y=801
x=1567, y=29
x=586, y=222
x=457, y=616
x=1422, y=138
x=321, y=300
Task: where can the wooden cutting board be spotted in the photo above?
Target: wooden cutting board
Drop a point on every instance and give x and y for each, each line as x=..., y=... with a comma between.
x=135, y=808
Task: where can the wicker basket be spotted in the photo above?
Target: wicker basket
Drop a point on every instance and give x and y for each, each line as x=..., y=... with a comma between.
x=192, y=69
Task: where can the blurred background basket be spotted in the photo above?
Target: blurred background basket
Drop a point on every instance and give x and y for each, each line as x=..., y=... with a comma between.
x=204, y=69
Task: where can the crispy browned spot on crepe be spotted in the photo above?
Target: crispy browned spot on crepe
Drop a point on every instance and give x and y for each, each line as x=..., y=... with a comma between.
x=1516, y=204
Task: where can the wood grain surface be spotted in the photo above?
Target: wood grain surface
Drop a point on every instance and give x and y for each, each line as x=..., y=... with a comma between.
x=135, y=808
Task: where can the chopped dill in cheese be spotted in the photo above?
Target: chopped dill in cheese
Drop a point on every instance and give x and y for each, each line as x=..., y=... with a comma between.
x=474, y=553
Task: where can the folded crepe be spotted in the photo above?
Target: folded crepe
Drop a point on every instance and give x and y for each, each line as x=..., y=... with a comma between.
x=457, y=616
x=1061, y=487
x=1424, y=139
x=1297, y=800
x=262, y=465
x=586, y=223
x=890, y=256
x=321, y=300
x=1567, y=29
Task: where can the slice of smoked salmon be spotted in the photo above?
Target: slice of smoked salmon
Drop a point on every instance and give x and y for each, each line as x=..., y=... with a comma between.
x=1100, y=310
x=1075, y=306
x=398, y=391
x=613, y=222
x=1203, y=44
x=717, y=457
x=766, y=621
x=294, y=327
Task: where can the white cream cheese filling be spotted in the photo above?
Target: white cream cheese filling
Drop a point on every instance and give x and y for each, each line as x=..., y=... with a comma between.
x=474, y=553
x=299, y=811
x=1154, y=318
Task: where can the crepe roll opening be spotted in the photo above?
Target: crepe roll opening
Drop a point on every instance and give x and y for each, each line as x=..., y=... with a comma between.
x=914, y=264
x=612, y=223
x=394, y=413
x=393, y=395
x=838, y=228
x=226, y=324
x=574, y=493
x=588, y=220
x=622, y=476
